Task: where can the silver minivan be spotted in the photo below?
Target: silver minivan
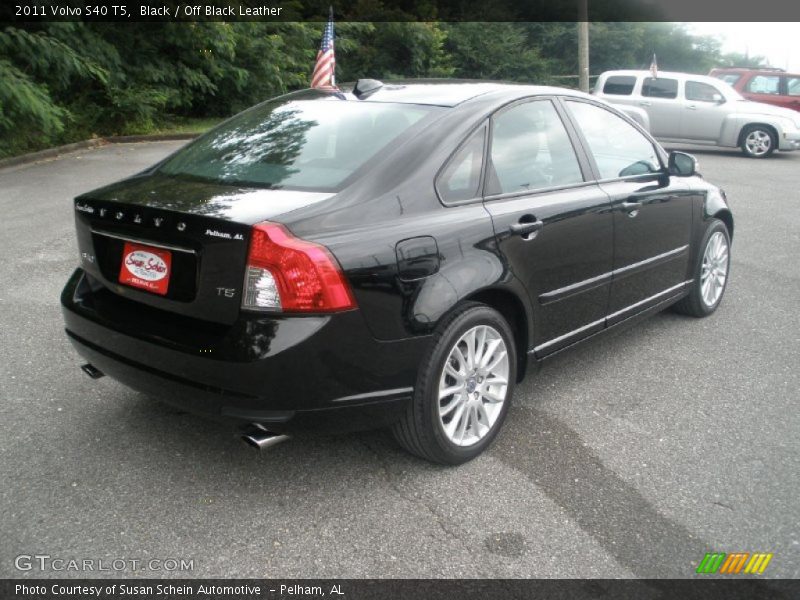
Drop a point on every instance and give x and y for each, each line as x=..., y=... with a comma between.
x=684, y=108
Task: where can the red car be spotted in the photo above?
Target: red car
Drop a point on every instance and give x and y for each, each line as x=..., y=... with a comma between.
x=772, y=86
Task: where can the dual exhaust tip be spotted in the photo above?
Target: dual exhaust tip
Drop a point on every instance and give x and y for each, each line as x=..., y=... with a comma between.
x=92, y=371
x=259, y=437
x=256, y=436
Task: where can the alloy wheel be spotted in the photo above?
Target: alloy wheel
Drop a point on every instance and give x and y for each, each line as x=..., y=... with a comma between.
x=758, y=142
x=714, y=272
x=473, y=385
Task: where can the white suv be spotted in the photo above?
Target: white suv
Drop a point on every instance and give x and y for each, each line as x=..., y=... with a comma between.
x=678, y=107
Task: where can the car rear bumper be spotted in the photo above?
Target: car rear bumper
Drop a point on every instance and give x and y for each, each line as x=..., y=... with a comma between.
x=285, y=372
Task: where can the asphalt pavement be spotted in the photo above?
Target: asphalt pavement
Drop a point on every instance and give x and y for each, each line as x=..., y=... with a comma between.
x=629, y=457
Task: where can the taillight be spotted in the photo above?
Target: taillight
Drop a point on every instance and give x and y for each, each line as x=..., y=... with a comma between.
x=289, y=274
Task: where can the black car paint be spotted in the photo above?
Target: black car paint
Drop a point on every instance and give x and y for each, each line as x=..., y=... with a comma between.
x=409, y=259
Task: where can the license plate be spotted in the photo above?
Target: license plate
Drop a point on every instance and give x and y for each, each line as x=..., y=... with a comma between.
x=146, y=267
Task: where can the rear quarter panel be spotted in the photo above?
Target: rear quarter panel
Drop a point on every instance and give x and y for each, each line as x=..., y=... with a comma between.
x=397, y=201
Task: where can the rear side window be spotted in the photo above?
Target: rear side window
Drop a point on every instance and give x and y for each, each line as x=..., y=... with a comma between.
x=660, y=88
x=305, y=144
x=461, y=178
x=764, y=84
x=531, y=150
x=619, y=149
x=619, y=85
x=701, y=92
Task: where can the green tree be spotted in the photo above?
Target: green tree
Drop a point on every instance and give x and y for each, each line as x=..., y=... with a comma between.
x=392, y=50
x=37, y=70
x=494, y=51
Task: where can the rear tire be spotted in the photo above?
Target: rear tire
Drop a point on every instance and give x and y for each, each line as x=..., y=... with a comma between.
x=758, y=141
x=462, y=396
x=712, y=267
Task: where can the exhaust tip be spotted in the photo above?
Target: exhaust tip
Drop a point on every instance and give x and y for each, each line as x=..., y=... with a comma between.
x=92, y=371
x=260, y=438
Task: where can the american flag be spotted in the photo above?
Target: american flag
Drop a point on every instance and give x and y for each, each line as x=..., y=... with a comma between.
x=324, y=75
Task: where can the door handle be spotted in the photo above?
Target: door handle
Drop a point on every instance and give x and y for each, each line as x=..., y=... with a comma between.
x=691, y=107
x=526, y=227
x=632, y=208
x=645, y=103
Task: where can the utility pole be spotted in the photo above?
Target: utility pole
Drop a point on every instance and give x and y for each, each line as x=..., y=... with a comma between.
x=583, y=45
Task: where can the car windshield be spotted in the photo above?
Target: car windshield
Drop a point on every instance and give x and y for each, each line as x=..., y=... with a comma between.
x=305, y=144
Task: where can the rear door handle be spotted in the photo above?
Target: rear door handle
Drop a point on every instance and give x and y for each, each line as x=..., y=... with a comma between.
x=632, y=208
x=691, y=107
x=645, y=103
x=526, y=227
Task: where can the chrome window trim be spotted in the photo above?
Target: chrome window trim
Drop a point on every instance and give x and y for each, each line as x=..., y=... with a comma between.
x=641, y=177
x=127, y=238
x=527, y=193
x=554, y=100
x=484, y=123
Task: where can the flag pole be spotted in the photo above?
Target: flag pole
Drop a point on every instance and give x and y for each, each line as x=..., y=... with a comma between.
x=324, y=74
x=583, y=45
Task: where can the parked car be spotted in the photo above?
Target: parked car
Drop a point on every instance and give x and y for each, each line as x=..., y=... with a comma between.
x=771, y=86
x=388, y=255
x=682, y=108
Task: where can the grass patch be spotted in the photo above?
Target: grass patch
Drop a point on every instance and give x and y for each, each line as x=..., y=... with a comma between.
x=25, y=142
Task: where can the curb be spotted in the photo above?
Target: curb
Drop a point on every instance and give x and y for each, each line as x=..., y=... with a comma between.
x=93, y=143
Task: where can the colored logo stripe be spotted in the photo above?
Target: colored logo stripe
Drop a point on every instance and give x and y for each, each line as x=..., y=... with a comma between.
x=711, y=562
x=732, y=564
x=758, y=563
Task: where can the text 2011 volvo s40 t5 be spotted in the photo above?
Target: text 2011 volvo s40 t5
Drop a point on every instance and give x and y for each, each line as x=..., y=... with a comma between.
x=390, y=255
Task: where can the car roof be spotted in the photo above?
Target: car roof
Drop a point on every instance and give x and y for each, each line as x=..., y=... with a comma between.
x=766, y=70
x=663, y=74
x=451, y=93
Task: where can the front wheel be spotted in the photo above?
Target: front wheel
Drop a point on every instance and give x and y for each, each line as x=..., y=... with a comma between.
x=758, y=141
x=711, y=272
x=464, y=388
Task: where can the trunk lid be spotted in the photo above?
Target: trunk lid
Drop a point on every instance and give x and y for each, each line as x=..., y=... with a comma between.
x=199, y=231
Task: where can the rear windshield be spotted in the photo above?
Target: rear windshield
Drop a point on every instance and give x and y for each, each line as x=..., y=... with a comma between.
x=729, y=78
x=304, y=144
x=619, y=85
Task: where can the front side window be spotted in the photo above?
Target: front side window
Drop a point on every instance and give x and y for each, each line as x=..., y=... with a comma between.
x=619, y=85
x=461, y=177
x=531, y=150
x=313, y=144
x=764, y=84
x=702, y=92
x=793, y=86
x=619, y=149
x=660, y=88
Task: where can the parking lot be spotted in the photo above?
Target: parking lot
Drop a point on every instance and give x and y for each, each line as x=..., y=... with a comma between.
x=629, y=457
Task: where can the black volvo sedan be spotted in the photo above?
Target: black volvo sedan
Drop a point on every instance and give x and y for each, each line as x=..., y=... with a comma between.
x=388, y=255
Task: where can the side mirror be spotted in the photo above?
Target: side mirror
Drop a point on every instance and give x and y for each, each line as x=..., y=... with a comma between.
x=719, y=98
x=682, y=164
